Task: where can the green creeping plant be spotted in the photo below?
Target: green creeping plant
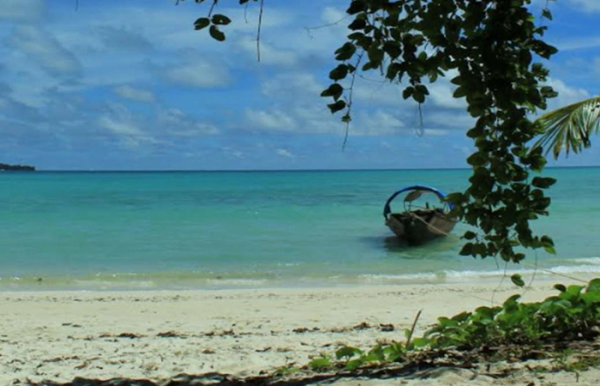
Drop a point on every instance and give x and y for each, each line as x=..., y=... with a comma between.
x=571, y=315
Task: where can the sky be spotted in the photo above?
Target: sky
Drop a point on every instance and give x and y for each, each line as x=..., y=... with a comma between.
x=129, y=85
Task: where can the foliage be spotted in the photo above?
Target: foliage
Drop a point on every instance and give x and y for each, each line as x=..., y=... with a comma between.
x=570, y=127
x=572, y=315
x=490, y=49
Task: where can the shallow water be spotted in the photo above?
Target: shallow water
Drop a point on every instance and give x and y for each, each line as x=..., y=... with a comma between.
x=148, y=230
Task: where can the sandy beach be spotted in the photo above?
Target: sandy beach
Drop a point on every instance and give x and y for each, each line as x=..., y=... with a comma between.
x=159, y=334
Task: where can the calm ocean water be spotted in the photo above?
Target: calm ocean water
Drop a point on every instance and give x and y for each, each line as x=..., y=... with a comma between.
x=148, y=230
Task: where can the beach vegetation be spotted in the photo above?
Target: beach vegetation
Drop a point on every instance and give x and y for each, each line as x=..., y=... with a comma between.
x=493, y=52
x=536, y=329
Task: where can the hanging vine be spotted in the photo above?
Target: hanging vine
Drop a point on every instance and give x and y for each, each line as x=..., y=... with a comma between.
x=494, y=46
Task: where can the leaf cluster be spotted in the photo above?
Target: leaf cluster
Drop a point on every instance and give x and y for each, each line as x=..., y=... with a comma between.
x=214, y=22
x=352, y=358
x=571, y=315
x=490, y=48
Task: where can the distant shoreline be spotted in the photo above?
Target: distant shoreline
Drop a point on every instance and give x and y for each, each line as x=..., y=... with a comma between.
x=16, y=168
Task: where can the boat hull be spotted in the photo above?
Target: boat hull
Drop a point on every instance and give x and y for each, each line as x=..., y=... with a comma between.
x=420, y=226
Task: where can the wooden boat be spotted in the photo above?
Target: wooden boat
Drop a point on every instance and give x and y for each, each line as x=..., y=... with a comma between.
x=419, y=222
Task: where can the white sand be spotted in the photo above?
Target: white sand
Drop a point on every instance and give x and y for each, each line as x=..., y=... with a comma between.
x=61, y=335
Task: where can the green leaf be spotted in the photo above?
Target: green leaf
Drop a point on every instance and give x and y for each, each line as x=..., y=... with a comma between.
x=543, y=182
x=216, y=34
x=201, y=23
x=357, y=24
x=460, y=92
x=547, y=14
x=560, y=287
x=594, y=285
x=517, y=280
x=419, y=93
x=469, y=235
x=477, y=159
x=335, y=91
x=354, y=364
x=219, y=19
x=511, y=302
x=320, y=363
x=548, y=244
x=337, y=106
x=345, y=52
x=467, y=249
x=356, y=6
x=339, y=73
x=347, y=352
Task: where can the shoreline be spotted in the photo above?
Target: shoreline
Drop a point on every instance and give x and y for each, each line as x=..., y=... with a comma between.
x=149, y=283
x=60, y=335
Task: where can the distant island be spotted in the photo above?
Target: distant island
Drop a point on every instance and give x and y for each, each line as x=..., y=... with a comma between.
x=16, y=168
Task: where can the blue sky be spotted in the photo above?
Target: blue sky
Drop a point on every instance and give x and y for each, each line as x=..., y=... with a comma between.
x=128, y=84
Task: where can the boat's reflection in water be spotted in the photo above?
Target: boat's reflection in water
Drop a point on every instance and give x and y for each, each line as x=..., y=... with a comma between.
x=397, y=247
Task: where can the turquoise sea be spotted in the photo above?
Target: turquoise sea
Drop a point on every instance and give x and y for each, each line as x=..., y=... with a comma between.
x=194, y=230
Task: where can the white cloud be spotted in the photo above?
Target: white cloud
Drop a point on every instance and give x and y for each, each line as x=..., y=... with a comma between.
x=578, y=43
x=334, y=16
x=41, y=47
x=441, y=94
x=198, y=74
x=135, y=94
x=269, y=55
x=586, y=5
x=121, y=39
x=566, y=95
x=435, y=132
x=119, y=127
x=120, y=122
x=460, y=120
x=14, y=110
x=378, y=123
x=175, y=122
x=233, y=152
x=377, y=92
x=292, y=85
x=274, y=120
x=285, y=153
x=21, y=10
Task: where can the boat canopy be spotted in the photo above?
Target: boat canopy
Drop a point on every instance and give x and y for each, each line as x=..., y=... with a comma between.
x=414, y=193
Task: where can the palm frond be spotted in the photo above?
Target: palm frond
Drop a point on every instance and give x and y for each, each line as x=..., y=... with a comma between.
x=569, y=128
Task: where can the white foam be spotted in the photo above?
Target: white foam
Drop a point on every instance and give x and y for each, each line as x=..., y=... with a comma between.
x=588, y=260
x=375, y=277
x=236, y=282
x=471, y=274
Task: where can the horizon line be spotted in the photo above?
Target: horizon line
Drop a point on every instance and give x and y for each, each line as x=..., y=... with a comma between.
x=268, y=170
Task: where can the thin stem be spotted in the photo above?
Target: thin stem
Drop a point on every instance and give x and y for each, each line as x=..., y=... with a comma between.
x=212, y=7
x=349, y=103
x=421, y=129
x=262, y=6
x=308, y=29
